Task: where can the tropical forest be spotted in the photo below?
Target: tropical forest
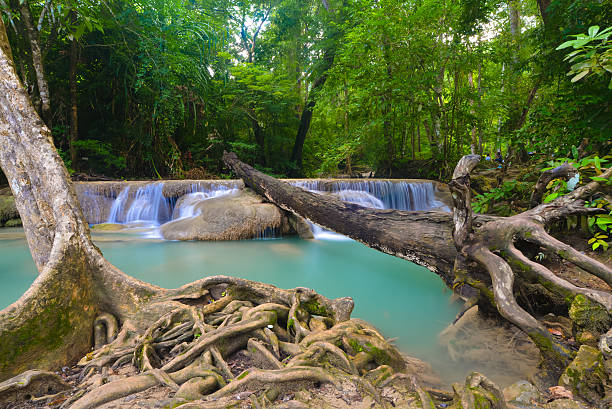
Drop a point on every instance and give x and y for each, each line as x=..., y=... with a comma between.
x=293, y=204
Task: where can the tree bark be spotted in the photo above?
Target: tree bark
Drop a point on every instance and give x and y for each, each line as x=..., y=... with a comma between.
x=565, y=171
x=305, y=118
x=41, y=80
x=488, y=242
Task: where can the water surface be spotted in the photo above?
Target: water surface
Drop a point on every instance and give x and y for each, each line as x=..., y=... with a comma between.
x=403, y=300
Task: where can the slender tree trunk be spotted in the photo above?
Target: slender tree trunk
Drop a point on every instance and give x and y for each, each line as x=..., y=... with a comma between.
x=306, y=117
x=74, y=104
x=41, y=80
x=418, y=130
x=543, y=7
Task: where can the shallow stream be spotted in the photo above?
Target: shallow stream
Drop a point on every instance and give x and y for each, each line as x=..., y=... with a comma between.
x=403, y=300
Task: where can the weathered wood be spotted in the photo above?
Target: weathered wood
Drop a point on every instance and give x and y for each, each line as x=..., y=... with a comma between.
x=565, y=171
x=421, y=237
x=486, y=241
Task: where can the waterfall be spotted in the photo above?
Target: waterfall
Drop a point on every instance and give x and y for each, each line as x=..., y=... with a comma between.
x=398, y=195
x=146, y=205
x=377, y=194
x=151, y=204
x=187, y=205
x=361, y=198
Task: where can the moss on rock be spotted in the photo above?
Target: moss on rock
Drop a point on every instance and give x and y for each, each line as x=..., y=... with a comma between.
x=586, y=375
x=13, y=223
x=591, y=320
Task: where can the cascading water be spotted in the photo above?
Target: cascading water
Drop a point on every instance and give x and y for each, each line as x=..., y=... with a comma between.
x=187, y=205
x=150, y=205
x=377, y=194
x=398, y=195
x=146, y=205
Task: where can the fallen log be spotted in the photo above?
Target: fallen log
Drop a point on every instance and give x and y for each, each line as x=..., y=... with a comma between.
x=461, y=246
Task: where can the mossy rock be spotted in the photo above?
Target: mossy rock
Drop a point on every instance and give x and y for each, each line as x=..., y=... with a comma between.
x=483, y=183
x=8, y=210
x=107, y=227
x=586, y=375
x=564, y=404
x=591, y=320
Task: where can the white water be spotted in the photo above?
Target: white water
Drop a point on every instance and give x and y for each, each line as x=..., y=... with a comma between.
x=379, y=194
x=187, y=205
x=148, y=205
x=145, y=207
x=398, y=195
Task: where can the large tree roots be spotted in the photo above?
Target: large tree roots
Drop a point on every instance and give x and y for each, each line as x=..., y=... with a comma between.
x=234, y=343
x=229, y=339
x=492, y=261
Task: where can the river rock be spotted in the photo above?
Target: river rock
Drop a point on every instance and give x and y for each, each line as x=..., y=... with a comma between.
x=521, y=392
x=108, y=227
x=564, y=404
x=591, y=320
x=586, y=375
x=236, y=216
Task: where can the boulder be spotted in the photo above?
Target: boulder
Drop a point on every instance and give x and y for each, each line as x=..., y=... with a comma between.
x=591, y=320
x=564, y=404
x=522, y=392
x=241, y=214
x=586, y=375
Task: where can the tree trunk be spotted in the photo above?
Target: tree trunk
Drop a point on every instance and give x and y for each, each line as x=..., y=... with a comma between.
x=74, y=104
x=306, y=117
x=51, y=325
x=260, y=140
x=41, y=80
x=437, y=239
x=543, y=7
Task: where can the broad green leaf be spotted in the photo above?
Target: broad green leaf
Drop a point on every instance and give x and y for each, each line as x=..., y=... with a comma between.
x=579, y=76
x=566, y=44
x=593, y=30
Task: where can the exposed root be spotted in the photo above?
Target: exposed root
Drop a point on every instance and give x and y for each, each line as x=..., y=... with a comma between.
x=540, y=237
x=105, y=329
x=502, y=277
x=191, y=350
x=565, y=287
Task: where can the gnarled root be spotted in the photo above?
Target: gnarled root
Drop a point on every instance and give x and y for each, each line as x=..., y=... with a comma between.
x=197, y=350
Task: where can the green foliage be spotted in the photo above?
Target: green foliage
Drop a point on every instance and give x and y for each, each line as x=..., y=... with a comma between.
x=101, y=152
x=509, y=190
x=592, y=53
x=400, y=89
